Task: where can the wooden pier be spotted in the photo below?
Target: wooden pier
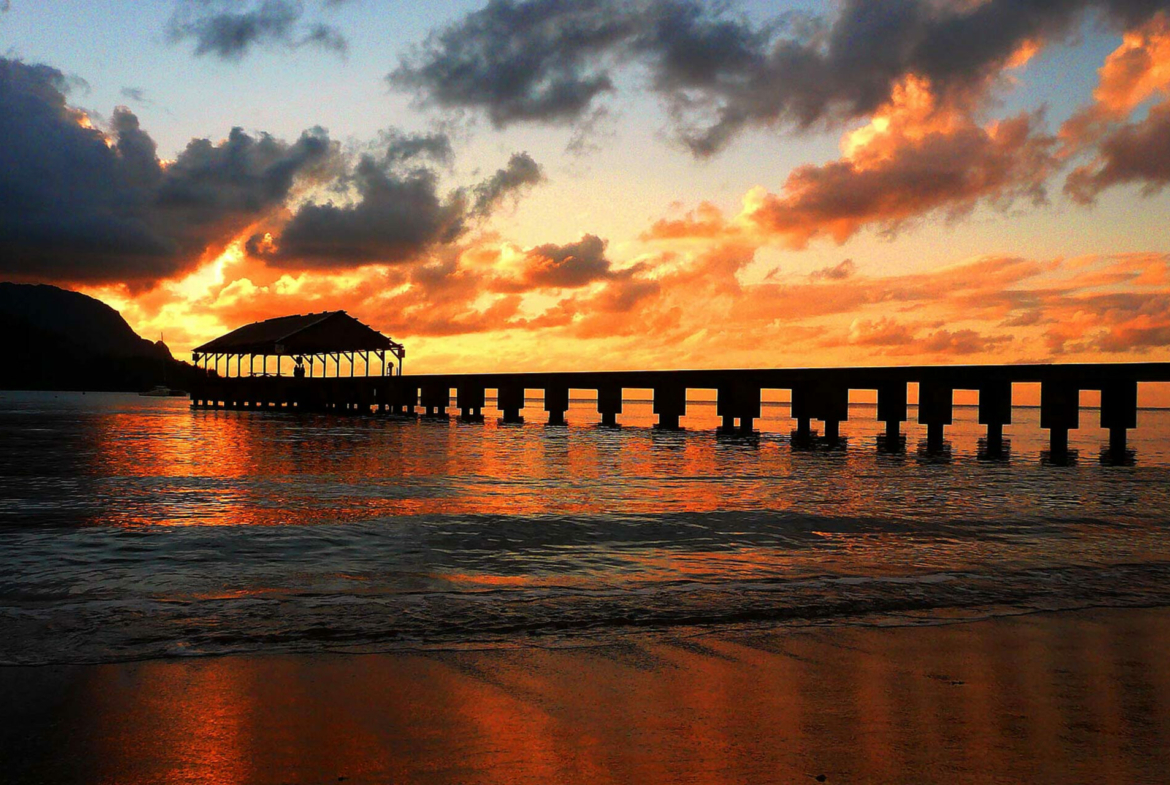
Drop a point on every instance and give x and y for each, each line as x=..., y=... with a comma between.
x=817, y=394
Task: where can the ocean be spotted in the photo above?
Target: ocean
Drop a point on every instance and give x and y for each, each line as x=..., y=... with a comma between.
x=135, y=528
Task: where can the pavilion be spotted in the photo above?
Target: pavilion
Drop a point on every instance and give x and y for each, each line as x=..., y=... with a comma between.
x=304, y=339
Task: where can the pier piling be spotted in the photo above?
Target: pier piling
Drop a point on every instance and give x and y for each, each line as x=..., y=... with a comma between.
x=1119, y=414
x=995, y=411
x=670, y=404
x=556, y=403
x=1059, y=412
x=936, y=411
x=510, y=400
x=470, y=400
x=609, y=405
x=892, y=409
x=831, y=406
x=738, y=404
x=435, y=399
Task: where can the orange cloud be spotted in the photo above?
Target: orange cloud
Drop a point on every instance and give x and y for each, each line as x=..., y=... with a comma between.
x=1138, y=70
x=918, y=155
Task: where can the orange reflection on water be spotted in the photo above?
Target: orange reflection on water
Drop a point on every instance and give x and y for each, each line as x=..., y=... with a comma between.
x=1079, y=697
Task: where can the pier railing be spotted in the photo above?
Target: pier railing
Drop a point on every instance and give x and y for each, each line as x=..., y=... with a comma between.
x=820, y=394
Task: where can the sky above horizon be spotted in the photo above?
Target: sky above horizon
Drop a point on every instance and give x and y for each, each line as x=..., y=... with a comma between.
x=546, y=184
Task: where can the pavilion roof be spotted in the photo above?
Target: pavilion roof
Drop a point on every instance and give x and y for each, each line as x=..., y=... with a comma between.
x=314, y=333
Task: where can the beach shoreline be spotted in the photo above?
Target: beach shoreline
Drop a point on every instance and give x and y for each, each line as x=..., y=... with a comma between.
x=1074, y=696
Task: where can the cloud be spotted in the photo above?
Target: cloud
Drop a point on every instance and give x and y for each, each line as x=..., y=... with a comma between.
x=394, y=213
x=78, y=204
x=83, y=205
x=522, y=171
x=882, y=332
x=1136, y=71
x=916, y=156
x=516, y=61
x=403, y=148
x=566, y=266
x=136, y=94
x=1135, y=153
x=222, y=29
x=1123, y=151
x=704, y=222
x=550, y=61
x=836, y=273
x=394, y=219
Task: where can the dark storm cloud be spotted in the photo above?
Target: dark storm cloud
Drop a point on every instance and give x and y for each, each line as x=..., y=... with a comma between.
x=541, y=60
x=521, y=171
x=567, y=266
x=550, y=60
x=229, y=30
x=79, y=205
x=401, y=148
x=395, y=217
x=397, y=213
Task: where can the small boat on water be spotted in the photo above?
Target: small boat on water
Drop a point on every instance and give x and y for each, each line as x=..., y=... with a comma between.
x=162, y=391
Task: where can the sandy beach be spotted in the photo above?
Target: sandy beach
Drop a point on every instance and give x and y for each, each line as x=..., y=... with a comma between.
x=1060, y=697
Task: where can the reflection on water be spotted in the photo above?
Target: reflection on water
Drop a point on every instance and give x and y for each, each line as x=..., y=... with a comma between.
x=135, y=527
x=1065, y=698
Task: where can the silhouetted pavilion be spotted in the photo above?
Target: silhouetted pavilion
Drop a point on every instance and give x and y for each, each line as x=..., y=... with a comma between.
x=305, y=339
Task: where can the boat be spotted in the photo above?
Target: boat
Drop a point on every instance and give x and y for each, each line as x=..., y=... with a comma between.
x=161, y=390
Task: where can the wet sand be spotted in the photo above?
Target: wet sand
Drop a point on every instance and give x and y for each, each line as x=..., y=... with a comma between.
x=1067, y=697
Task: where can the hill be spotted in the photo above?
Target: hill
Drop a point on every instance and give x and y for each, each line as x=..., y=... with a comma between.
x=62, y=340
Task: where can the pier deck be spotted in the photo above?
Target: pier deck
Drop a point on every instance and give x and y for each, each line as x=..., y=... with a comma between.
x=820, y=394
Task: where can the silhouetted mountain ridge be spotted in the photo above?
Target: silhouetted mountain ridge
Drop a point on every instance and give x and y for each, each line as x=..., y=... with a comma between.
x=63, y=340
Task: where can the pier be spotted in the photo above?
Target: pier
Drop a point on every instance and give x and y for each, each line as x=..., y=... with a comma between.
x=818, y=395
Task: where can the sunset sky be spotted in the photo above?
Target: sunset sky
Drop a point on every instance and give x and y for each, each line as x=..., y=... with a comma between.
x=558, y=184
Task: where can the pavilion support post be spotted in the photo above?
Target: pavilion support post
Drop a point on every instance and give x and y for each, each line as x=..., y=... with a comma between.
x=556, y=403
x=1059, y=412
x=670, y=404
x=609, y=405
x=935, y=411
x=510, y=401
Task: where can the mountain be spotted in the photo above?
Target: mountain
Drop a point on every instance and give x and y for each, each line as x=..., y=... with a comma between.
x=62, y=340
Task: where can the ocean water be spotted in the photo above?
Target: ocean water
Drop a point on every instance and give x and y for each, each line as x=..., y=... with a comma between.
x=135, y=528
